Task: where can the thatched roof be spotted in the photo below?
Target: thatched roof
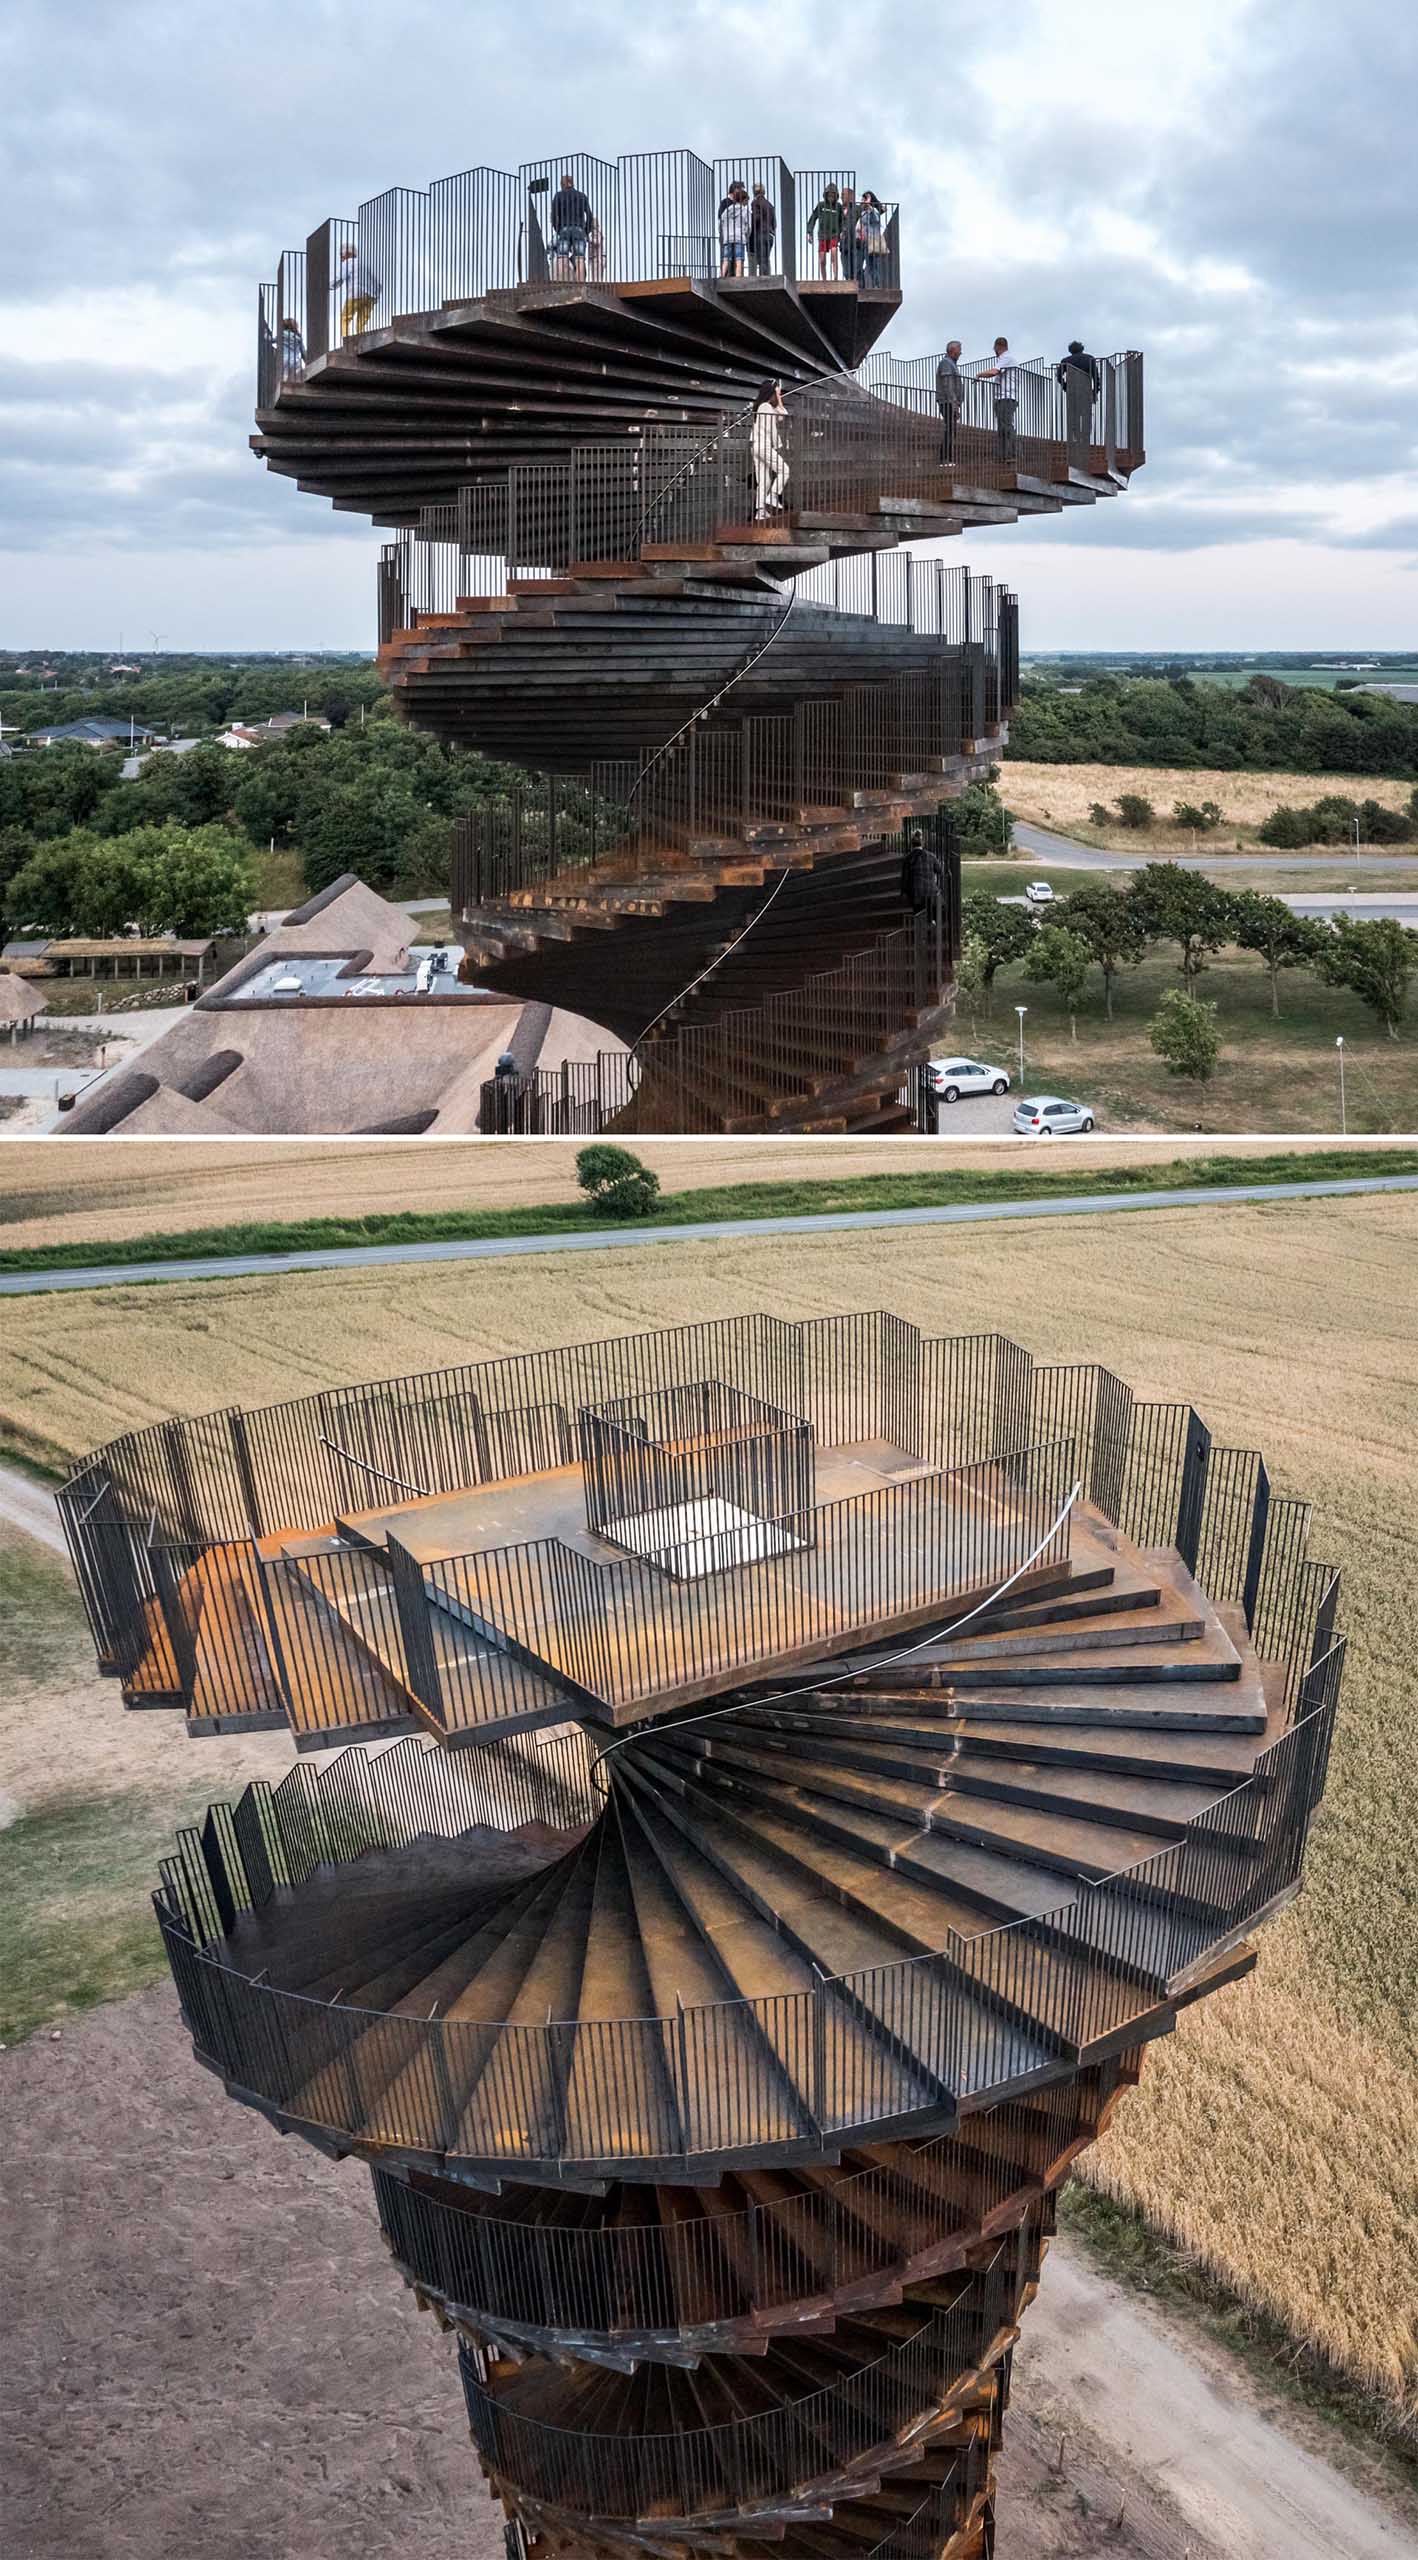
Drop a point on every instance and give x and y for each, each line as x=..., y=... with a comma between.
x=19, y=1000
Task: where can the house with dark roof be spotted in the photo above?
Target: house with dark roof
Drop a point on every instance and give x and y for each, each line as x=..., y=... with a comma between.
x=91, y=732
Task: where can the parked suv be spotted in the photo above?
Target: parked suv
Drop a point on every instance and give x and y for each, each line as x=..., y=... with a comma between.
x=950, y=1077
x=1043, y=1115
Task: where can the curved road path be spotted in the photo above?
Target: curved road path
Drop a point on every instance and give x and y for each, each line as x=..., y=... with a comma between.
x=1065, y=853
x=237, y=1266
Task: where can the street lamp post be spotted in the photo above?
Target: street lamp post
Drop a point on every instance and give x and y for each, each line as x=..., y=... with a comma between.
x=1343, y=1113
x=1021, y=1010
x=1355, y=825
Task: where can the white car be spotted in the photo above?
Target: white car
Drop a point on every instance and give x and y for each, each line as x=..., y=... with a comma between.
x=1039, y=894
x=1043, y=1115
x=950, y=1077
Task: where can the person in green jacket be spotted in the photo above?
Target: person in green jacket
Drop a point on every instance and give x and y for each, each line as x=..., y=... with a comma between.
x=829, y=221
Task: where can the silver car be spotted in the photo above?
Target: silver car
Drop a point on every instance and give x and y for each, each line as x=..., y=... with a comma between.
x=1043, y=1115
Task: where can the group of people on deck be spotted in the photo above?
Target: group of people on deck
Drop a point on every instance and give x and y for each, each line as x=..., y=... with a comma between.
x=850, y=232
x=1078, y=374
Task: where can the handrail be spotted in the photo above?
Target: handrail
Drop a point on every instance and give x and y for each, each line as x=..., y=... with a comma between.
x=421, y=1491
x=744, y=2460
x=789, y=2247
x=534, y=2057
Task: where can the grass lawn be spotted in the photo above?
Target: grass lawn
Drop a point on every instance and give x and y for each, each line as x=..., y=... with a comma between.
x=280, y=879
x=1273, y=1074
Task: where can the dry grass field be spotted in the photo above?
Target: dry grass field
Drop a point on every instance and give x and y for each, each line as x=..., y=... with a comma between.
x=1276, y=2134
x=1061, y=795
x=88, y=1191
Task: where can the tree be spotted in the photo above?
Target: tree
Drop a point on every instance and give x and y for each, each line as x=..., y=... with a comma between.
x=1285, y=827
x=1105, y=921
x=983, y=825
x=183, y=880
x=1134, y=811
x=42, y=893
x=1183, y=1032
x=1200, y=815
x=1004, y=932
x=1282, y=939
x=617, y=1182
x=970, y=971
x=1375, y=959
x=1173, y=905
x=1059, y=958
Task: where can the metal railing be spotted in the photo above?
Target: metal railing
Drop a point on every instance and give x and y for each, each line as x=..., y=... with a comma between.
x=677, y=2281
x=651, y=216
x=751, y=2461
x=998, y=2009
x=208, y=1488
x=1018, y=416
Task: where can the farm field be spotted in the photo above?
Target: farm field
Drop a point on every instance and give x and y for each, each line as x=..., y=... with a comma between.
x=1061, y=796
x=87, y=1192
x=1274, y=2135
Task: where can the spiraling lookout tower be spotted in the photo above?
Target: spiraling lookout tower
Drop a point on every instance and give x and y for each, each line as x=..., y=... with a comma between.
x=790, y=1774
x=711, y=633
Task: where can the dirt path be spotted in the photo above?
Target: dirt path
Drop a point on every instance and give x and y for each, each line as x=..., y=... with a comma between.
x=1097, y=2359
x=30, y=1506
x=229, y=2363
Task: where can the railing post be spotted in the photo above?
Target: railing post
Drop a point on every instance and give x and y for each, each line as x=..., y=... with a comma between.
x=819, y=2049
x=1255, y=1555
x=1192, y=1490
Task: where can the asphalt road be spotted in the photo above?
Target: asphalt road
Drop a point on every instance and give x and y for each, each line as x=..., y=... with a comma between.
x=236, y=1266
x=1065, y=853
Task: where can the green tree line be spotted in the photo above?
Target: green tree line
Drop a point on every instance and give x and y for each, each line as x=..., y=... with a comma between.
x=1262, y=727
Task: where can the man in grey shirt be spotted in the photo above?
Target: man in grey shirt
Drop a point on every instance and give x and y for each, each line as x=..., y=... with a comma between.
x=949, y=398
x=1005, y=377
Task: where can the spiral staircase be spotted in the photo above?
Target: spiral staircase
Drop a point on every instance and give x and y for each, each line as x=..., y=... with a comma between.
x=783, y=1778
x=734, y=704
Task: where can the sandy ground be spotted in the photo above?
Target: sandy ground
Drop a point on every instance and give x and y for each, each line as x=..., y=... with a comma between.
x=90, y=1190
x=208, y=2350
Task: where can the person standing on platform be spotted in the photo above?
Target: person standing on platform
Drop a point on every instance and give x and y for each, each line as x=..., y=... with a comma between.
x=359, y=292
x=1079, y=374
x=733, y=230
x=949, y=398
x=571, y=222
x=1005, y=377
x=827, y=221
x=871, y=233
x=762, y=232
x=851, y=252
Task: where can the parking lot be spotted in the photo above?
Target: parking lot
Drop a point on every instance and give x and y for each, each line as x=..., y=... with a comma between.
x=978, y=1115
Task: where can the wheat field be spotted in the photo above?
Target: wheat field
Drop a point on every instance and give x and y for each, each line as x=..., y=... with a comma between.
x=1276, y=2134
x=1061, y=795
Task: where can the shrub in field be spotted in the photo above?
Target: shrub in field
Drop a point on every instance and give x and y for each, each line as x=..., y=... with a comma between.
x=1184, y=1034
x=1200, y=815
x=1134, y=811
x=616, y=1181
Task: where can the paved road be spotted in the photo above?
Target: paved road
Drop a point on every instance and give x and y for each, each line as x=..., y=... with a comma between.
x=30, y=1506
x=1065, y=853
x=239, y=1266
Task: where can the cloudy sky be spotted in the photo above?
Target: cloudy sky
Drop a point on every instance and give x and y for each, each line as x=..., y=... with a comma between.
x=1228, y=184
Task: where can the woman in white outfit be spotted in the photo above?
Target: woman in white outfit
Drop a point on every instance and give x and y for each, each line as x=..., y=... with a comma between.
x=770, y=463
